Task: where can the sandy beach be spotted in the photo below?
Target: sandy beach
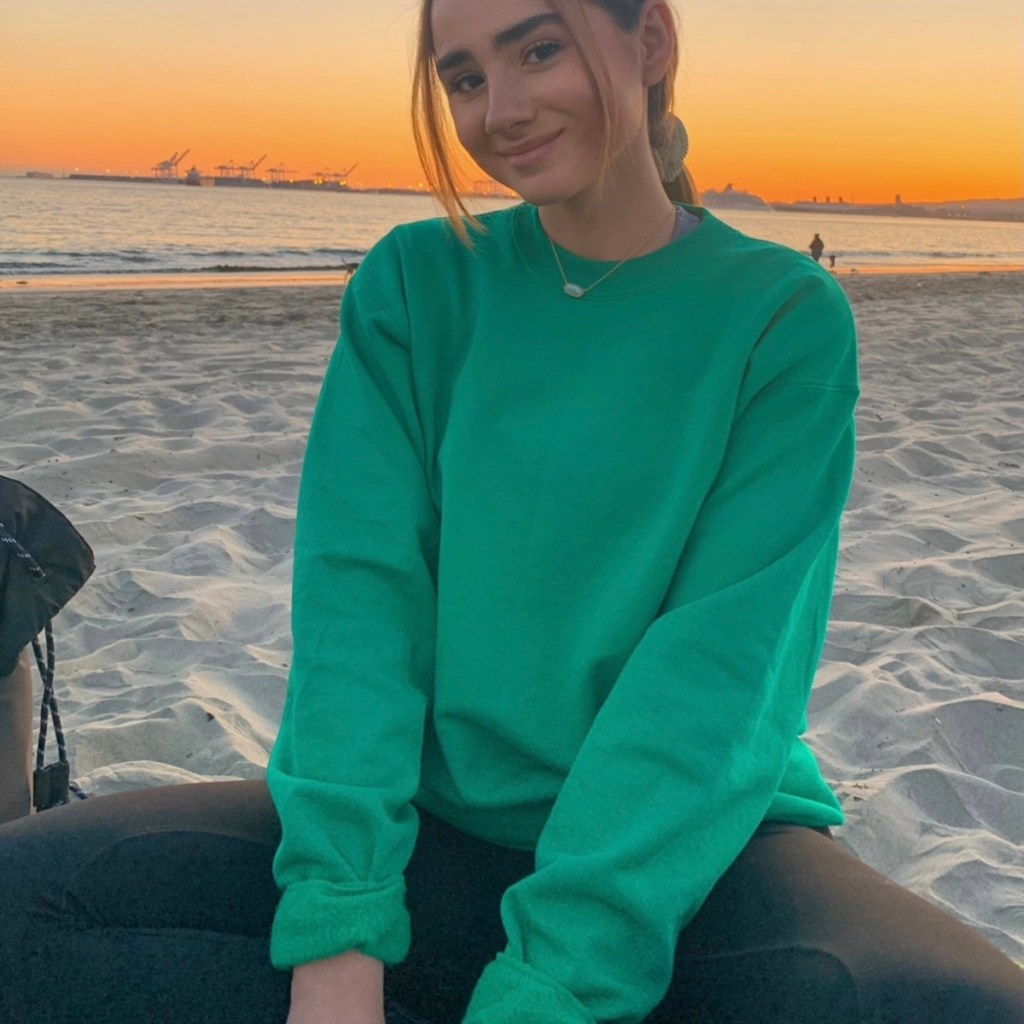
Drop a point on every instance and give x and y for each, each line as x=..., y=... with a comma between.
x=169, y=426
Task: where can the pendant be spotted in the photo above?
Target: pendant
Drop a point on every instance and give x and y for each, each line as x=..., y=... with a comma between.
x=574, y=290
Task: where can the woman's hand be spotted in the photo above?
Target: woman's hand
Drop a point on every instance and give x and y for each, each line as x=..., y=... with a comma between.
x=345, y=989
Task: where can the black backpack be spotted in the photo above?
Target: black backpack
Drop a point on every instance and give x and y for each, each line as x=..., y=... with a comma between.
x=44, y=561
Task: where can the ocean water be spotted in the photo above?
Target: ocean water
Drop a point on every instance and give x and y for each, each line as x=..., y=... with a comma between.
x=63, y=227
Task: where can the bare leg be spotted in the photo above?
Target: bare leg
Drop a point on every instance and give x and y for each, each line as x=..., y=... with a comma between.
x=16, y=741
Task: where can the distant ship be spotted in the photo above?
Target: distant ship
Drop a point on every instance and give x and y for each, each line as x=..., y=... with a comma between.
x=196, y=177
x=733, y=199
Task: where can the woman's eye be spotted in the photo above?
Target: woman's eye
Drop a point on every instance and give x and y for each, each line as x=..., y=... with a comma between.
x=465, y=83
x=540, y=53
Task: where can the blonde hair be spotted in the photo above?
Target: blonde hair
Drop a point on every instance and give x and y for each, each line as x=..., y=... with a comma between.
x=431, y=122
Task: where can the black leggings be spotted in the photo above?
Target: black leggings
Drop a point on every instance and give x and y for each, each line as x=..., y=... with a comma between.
x=156, y=906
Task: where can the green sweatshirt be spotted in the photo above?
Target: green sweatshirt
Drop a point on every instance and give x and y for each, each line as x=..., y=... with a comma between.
x=562, y=578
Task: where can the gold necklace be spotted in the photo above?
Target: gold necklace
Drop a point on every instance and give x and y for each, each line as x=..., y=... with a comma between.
x=577, y=291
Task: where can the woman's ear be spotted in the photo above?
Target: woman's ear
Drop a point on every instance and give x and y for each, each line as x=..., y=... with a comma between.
x=658, y=39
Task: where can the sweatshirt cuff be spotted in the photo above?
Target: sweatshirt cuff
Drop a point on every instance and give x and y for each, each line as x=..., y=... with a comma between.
x=318, y=919
x=511, y=992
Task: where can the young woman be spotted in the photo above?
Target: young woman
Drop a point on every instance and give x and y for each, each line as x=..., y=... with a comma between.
x=566, y=543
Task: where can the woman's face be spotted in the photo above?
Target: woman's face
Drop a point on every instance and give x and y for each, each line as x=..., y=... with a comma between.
x=522, y=101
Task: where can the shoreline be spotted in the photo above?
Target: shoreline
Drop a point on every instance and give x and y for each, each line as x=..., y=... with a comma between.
x=176, y=281
x=185, y=280
x=929, y=270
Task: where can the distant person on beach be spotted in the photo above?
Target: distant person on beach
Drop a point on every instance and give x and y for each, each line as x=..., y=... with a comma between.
x=817, y=247
x=831, y=261
x=566, y=542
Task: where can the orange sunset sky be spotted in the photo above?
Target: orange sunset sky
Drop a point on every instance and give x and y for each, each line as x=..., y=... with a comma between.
x=787, y=99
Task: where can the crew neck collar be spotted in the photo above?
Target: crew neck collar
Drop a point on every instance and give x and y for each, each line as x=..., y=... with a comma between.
x=644, y=273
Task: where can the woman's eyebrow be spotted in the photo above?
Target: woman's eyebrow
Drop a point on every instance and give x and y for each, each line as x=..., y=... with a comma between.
x=504, y=38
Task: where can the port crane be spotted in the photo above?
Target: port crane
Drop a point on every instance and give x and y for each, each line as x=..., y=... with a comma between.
x=279, y=173
x=335, y=179
x=239, y=172
x=249, y=169
x=169, y=168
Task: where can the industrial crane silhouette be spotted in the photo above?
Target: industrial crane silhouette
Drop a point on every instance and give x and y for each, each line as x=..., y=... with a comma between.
x=334, y=179
x=169, y=168
x=239, y=172
x=279, y=173
x=249, y=170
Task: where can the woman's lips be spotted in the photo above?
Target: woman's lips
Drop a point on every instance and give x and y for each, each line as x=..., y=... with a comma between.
x=536, y=152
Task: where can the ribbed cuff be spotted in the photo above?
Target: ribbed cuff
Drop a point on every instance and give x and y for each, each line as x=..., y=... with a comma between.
x=511, y=992
x=316, y=920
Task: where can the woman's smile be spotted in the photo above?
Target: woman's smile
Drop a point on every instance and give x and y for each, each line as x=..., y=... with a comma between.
x=531, y=152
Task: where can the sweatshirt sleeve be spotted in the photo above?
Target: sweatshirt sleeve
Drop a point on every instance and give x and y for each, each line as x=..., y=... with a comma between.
x=346, y=763
x=687, y=752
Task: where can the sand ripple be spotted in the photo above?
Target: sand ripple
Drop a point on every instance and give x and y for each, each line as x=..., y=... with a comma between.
x=170, y=428
x=919, y=708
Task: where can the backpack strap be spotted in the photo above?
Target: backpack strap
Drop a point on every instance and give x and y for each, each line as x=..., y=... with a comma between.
x=35, y=570
x=51, y=783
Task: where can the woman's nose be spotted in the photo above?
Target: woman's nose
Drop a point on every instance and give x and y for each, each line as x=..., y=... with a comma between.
x=508, y=104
